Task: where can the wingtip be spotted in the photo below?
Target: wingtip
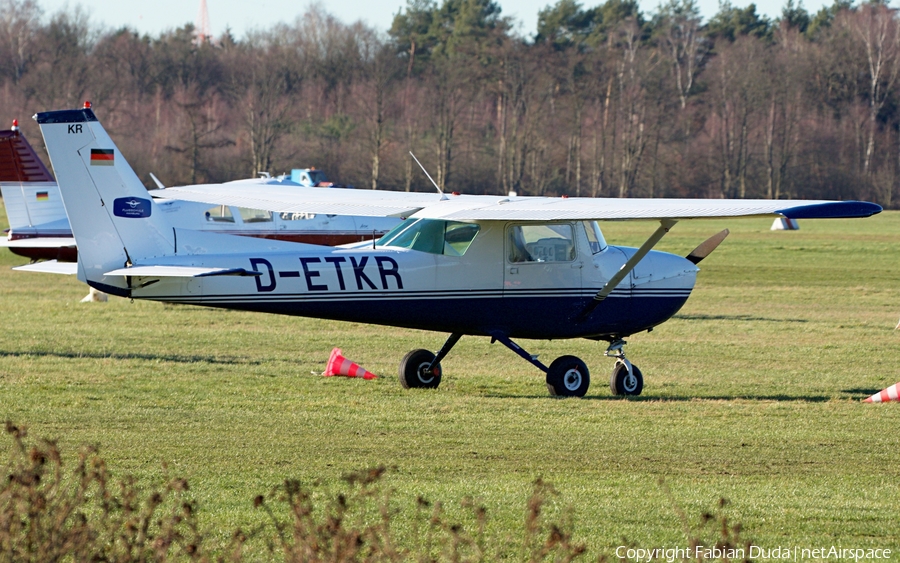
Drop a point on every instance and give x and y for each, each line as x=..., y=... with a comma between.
x=833, y=210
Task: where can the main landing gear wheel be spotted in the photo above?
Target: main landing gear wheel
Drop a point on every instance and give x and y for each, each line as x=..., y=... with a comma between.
x=624, y=383
x=414, y=372
x=568, y=376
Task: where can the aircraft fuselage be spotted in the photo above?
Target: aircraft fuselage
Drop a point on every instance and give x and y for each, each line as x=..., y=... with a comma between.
x=478, y=293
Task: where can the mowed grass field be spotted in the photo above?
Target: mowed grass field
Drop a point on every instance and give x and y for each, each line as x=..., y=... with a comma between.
x=752, y=393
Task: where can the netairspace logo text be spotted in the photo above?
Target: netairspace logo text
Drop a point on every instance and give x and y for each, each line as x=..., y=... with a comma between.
x=707, y=553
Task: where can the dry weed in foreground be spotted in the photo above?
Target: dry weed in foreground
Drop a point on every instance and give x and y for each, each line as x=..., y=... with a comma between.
x=356, y=526
x=48, y=514
x=727, y=544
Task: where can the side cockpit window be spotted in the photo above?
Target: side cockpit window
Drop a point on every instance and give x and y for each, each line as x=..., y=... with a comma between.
x=450, y=238
x=541, y=243
x=594, y=236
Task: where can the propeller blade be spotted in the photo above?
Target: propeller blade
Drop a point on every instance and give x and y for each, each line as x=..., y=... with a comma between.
x=706, y=247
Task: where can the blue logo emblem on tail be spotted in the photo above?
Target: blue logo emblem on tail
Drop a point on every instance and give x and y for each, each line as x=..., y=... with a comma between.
x=131, y=207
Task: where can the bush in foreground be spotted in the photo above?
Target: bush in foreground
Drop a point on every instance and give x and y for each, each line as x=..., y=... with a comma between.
x=48, y=514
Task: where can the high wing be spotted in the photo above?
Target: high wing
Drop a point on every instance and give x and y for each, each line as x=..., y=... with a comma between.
x=297, y=199
x=380, y=203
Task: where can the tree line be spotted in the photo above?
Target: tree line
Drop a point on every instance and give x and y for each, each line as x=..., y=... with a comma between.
x=600, y=101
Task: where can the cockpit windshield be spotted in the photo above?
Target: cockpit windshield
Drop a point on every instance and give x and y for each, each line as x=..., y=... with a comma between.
x=317, y=177
x=451, y=238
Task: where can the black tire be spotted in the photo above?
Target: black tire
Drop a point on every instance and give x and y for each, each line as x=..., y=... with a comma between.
x=412, y=371
x=568, y=376
x=621, y=384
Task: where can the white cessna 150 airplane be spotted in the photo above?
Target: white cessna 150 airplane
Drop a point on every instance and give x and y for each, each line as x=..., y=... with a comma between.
x=501, y=267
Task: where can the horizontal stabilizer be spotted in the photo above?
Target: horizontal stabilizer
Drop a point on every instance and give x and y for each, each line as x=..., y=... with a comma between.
x=180, y=272
x=50, y=267
x=706, y=247
x=39, y=242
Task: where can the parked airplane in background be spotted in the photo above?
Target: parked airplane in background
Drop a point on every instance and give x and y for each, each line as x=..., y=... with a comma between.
x=39, y=228
x=494, y=266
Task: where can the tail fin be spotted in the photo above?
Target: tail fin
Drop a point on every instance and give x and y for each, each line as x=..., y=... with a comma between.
x=113, y=218
x=29, y=192
x=18, y=161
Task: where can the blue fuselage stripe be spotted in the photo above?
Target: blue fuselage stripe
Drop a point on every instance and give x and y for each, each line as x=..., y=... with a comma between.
x=527, y=314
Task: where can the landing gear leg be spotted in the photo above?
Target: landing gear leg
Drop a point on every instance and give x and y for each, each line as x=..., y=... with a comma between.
x=445, y=349
x=626, y=378
x=567, y=376
x=422, y=369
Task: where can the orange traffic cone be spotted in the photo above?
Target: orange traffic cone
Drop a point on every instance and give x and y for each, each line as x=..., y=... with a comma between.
x=886, y=395
x=339, y=365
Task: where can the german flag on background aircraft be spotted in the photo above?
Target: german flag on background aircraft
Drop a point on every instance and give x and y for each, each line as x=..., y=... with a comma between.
x=42, y=196
x=102, y=157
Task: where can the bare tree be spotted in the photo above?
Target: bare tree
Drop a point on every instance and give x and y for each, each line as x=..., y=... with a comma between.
x=633, y=104
x=264, y=86
x=785, y=106
x=875, y=28
x=380, y=78
x=737, y=101
x=685, y=46
x=19, y=24
x=202, y=130
x=61, y=74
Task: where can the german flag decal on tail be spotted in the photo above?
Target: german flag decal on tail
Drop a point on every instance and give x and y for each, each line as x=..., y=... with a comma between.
x=102, y=157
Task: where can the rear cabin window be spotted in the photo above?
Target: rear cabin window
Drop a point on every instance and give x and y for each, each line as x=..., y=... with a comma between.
x=450, y=238
x=541, y=243
x=219, y=214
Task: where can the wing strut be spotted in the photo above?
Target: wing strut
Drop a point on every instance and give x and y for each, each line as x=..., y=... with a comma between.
x=664, y=226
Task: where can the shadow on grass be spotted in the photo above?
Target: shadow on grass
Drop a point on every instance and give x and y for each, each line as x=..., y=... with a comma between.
x=148, y=357
x=650, y=399
x=736, y=318
x=864, y=393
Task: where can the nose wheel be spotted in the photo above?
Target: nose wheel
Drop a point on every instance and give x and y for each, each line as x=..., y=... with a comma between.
x=625, y=381
x=626, y=378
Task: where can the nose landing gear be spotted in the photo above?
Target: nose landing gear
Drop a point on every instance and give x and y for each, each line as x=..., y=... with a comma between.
x=626, y=378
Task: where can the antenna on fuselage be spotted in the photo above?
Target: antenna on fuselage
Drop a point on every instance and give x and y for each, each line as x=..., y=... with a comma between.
x=440, y=191
x=156, y=181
